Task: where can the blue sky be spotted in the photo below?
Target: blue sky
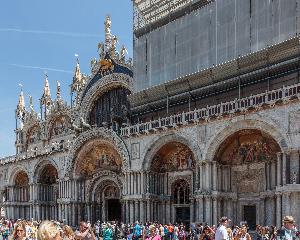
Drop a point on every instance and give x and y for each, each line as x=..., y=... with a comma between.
x=36, y=34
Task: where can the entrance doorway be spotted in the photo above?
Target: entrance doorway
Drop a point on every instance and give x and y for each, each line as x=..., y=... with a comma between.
x=113, y=210
x=250, y=216
x=183, y=215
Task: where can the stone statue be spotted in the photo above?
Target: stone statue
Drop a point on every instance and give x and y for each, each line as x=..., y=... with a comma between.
x=101, y=50
x=123, y=54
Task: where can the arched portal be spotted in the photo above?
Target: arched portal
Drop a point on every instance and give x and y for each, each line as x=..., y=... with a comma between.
x=47, y=191
x=106, y=202
x=171, y=172
x=181, y=200
x=247, y=164
x=97, y=166
x=20, y=194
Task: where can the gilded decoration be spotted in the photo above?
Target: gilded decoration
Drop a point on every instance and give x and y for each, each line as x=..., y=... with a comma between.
x=173, y=156
x=247, y=146
x=97, y=156
x=21, y=179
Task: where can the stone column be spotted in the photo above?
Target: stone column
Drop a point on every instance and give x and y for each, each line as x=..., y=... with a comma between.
x=215, y=175
x=278, y=210
x=131, y=218
x=284, y=168
x=207, y=209
x=136, y=211
x=142, y=212
x=192, y=211
x=127, y=210
x=278, y=169
x=215, y=210
x=200, y=209
x=142, y=183
x=286, y=204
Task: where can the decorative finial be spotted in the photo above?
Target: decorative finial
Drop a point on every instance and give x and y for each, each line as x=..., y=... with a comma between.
x=31, y=104
x=21, y=103
x=101, y=50
x=107, y=25
x=58, y=92
x=114, y=41
x=46, y=87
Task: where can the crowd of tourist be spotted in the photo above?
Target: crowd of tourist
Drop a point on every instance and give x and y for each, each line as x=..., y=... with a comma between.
x=53, y=230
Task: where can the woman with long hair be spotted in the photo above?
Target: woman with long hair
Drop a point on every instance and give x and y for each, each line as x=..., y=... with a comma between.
x=68, y=233
x=19, y=232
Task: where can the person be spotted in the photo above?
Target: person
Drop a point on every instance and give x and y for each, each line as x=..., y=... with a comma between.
x=107, y=233
x=5, y=230
x=85, y=232
x=242, y=234
x=19, y=232
x=273, y=233
x=48, y=231
x=68, y=233
x=288, y=230
x=153, y=233
x=221, y=233
x=137, y=231
x=207, y=234
x=97, y=230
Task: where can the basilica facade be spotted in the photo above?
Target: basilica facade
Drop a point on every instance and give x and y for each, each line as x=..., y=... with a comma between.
x=221, y=141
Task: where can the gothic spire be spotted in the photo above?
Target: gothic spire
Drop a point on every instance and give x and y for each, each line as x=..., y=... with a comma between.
x=58, y=91
x=107, y=25
x=21, y=103
x=46, y=98
x=31, y=104
x=78, y=80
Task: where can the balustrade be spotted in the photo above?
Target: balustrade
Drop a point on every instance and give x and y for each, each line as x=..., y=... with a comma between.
x=231, y=107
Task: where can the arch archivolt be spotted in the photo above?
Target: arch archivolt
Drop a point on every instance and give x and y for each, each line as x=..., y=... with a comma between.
x=157, y=143
x=41, y=164
x=107, y=82
x=217, y=139
x=100, y=181
x=101, y=134
x=14, y=172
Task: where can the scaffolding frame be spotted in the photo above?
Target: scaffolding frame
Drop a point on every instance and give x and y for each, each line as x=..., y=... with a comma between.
x=149, y=11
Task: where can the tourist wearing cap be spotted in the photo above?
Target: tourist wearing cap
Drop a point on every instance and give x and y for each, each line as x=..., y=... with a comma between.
x=221, y=233
x=288, y=230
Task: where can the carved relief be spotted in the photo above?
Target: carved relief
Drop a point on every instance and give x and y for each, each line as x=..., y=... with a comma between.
x=97, y=155
x=294, y=122
x=135, y=150
x=250, y=181
x=247, y=146
x=173, y=156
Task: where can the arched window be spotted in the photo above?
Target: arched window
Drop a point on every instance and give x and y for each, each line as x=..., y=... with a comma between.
x=181, y=192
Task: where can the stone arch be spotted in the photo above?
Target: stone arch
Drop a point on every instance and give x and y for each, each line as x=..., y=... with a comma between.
x=106, y=135
x=215, y=142
x=14, y=172
x=107, y=82
x=157, y=144
x=102, y=182
x=39, y=167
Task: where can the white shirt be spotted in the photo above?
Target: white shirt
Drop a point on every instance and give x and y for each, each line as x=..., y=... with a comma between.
x=221, y=233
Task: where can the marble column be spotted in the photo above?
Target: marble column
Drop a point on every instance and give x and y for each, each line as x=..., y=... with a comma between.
x=131, y=211
x=200, y=209
x=279, y=169
x=136, y=211
x=208, y=209
x=214, y=172
x=142, y=213
x=284, y=169
x=201, y=176
x=278, y=210
x=215, y=210
x=127, y=212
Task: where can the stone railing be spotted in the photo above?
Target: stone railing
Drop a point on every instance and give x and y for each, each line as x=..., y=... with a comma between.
x=7, y=160
x=253, y=102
